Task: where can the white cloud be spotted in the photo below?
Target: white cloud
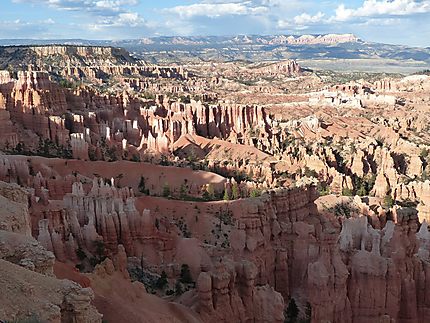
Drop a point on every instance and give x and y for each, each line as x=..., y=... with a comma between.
x=305, y=18
x=127, y=19
x=21, y=28
x=373, y=8
x=104, y=13
x=367, y=14
x=117, y=18
x=381, y=22
x=85, y=5
x=130, y=19
x=49, y=21
x=302, y=21
x=213, y=10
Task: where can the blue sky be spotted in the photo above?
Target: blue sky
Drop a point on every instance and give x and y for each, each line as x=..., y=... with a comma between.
x=390, y=21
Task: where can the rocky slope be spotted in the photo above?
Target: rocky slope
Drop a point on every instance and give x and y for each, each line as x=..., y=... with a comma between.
x=29, y=288
x=257, y=194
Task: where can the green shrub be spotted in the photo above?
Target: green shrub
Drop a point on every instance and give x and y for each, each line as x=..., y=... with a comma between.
x=309, y=172
x=81, y=254
x=142, y=186
x=68, y=84
x=166, y=190
x=183, y=191
x=255, y=192
x=162, y=281
x=185, y=276
x=362, y=191
x=388, y=201
x=343, y=209
x=80, y=267
x=135, y=158
x=363, y=186
x=179, y=290
x=425, y=176
x=323, y=189
x=347, y=192
x=308, y=313
x=424, y=153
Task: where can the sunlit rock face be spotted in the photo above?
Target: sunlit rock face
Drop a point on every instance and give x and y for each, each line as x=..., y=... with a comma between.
x=215, y=192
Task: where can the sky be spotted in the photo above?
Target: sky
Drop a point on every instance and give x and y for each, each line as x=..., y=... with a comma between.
x=389, y=21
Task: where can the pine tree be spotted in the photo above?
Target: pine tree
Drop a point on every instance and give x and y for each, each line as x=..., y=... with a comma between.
x=308, y=312
x=226, y=196
x=142, y=185
x=166, y=190
x=211, y=191
x=162, y=280
x=292, y=312
x=185, y=275
x=235, y=191
x=183, y=191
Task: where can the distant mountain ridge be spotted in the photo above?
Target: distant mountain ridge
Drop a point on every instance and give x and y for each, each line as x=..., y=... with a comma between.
x=253, y=39
x=308, y=49
x=200, y=40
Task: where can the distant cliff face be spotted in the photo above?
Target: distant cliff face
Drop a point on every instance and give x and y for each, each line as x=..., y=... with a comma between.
x=323, y=39
x=25, y=56
x=79, y=63
x=83, y=51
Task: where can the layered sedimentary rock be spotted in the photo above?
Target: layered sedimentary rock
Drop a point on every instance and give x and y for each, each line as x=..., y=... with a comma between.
x=117, y=126
x=14, y=215
x=76, y=62
x=39, y=105
x=323, y=39
x=418, y=192
x=32, y=102
x=106, y=214
x=335, y=271
x=26, y=252
x=45, y=298
x=287, y=68
x=287, y=250
x=228, y=293
x=357, y=259
x=29, y=288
